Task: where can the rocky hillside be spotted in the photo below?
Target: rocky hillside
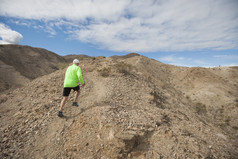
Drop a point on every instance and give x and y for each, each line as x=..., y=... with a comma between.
x=70, y=58
x=131, y=107
x=20, y=64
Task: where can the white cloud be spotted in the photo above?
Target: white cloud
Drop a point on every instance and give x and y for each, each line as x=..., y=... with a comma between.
x=138, y=26
x=9, y=36
x=205, y=60
x=54, y=9
x=227, y=57
x=179, y=60
x=173, y=59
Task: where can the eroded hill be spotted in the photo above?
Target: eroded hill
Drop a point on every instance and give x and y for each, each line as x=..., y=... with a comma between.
x=20, y=64
x=131, y=107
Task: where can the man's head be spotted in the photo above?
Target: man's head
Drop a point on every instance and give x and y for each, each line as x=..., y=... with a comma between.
x=76, y=61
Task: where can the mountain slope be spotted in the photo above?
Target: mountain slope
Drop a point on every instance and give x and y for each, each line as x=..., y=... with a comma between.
x=130, y=108
x=20, y=64
x=70, y=58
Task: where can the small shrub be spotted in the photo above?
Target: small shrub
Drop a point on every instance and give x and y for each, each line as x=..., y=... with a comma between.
x=123, y=68
x=222, y=125
x=200, y=108
x=166, y=119
x=3, y=100
x=227, y=121
x=235, y=127
x=158, y=99
x=105, y=72
x=220, y=111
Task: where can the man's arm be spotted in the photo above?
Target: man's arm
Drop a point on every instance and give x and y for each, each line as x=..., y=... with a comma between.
x=80, y=76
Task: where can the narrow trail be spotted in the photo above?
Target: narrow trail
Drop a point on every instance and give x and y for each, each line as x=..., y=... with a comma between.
x=50, y=140
x=95, y=91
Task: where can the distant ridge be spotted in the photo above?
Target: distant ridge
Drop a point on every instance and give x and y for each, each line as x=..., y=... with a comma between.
x=125, y=56
x=19, y=64
x=70, y=58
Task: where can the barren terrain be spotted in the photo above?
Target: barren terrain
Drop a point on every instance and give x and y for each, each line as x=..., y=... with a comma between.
x=131, y=107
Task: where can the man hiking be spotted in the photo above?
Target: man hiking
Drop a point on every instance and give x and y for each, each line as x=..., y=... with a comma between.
x=73, y=76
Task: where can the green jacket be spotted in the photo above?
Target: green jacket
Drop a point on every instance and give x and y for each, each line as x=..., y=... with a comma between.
x=73, y=75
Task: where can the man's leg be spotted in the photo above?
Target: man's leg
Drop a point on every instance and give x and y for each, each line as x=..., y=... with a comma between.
x=65, y=98
x=77, y=92
x=76, y=95
x=75, y=103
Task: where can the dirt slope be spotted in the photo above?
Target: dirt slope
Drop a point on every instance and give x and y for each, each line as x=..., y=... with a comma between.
x=20, y=64
x=130, y=108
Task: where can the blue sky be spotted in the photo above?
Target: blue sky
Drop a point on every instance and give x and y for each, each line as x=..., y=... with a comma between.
x=179, y=32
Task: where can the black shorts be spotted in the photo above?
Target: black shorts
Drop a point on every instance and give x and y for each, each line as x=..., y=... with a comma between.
x=67, y=90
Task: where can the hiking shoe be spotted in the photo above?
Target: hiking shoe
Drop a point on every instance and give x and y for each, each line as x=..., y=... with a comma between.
x=75, y=104
x=60, y=114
